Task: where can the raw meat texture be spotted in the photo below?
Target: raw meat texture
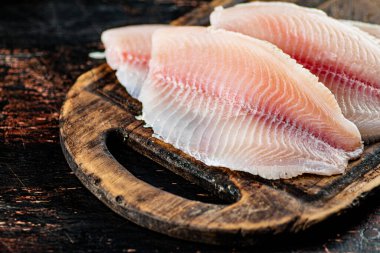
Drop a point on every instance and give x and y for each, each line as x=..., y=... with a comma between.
x=234, y=101
x=132, y=77
x=128, y=51
x=345, y=59
x=371, y=29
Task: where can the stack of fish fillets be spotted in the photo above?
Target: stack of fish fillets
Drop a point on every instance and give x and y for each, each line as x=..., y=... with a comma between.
x=273, y=89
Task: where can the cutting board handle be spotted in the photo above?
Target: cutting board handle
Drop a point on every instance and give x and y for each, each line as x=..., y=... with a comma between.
x=86, y=120
x=129, y=196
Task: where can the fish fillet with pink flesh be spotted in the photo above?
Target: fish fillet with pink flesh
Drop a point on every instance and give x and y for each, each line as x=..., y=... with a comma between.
x=234, y=101
x=345, y=59
x=128, y=51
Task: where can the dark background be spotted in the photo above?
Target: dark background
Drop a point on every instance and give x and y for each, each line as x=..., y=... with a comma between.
x=44, y=47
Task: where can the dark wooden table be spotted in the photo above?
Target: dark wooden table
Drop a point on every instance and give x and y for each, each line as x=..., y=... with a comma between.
x=44, y=47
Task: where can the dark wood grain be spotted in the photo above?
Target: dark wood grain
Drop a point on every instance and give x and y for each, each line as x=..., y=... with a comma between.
x=43, y=206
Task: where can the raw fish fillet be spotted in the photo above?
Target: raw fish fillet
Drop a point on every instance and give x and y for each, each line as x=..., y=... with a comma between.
x=128, y=51
x=345, y=59
x=235, y=101
x=372, y=29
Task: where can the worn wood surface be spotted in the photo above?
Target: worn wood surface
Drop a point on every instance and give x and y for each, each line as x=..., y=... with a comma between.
x=43, y=205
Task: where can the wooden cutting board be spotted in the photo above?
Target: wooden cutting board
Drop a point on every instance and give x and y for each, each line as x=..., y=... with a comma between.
x=97, y=106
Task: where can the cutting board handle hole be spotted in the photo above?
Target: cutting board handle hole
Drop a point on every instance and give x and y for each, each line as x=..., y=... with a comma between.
x=154, y=174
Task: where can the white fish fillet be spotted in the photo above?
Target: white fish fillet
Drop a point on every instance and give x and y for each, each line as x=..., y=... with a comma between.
x=371, y=29
x=346, y=59
x=128, y=51
x=234, y=101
